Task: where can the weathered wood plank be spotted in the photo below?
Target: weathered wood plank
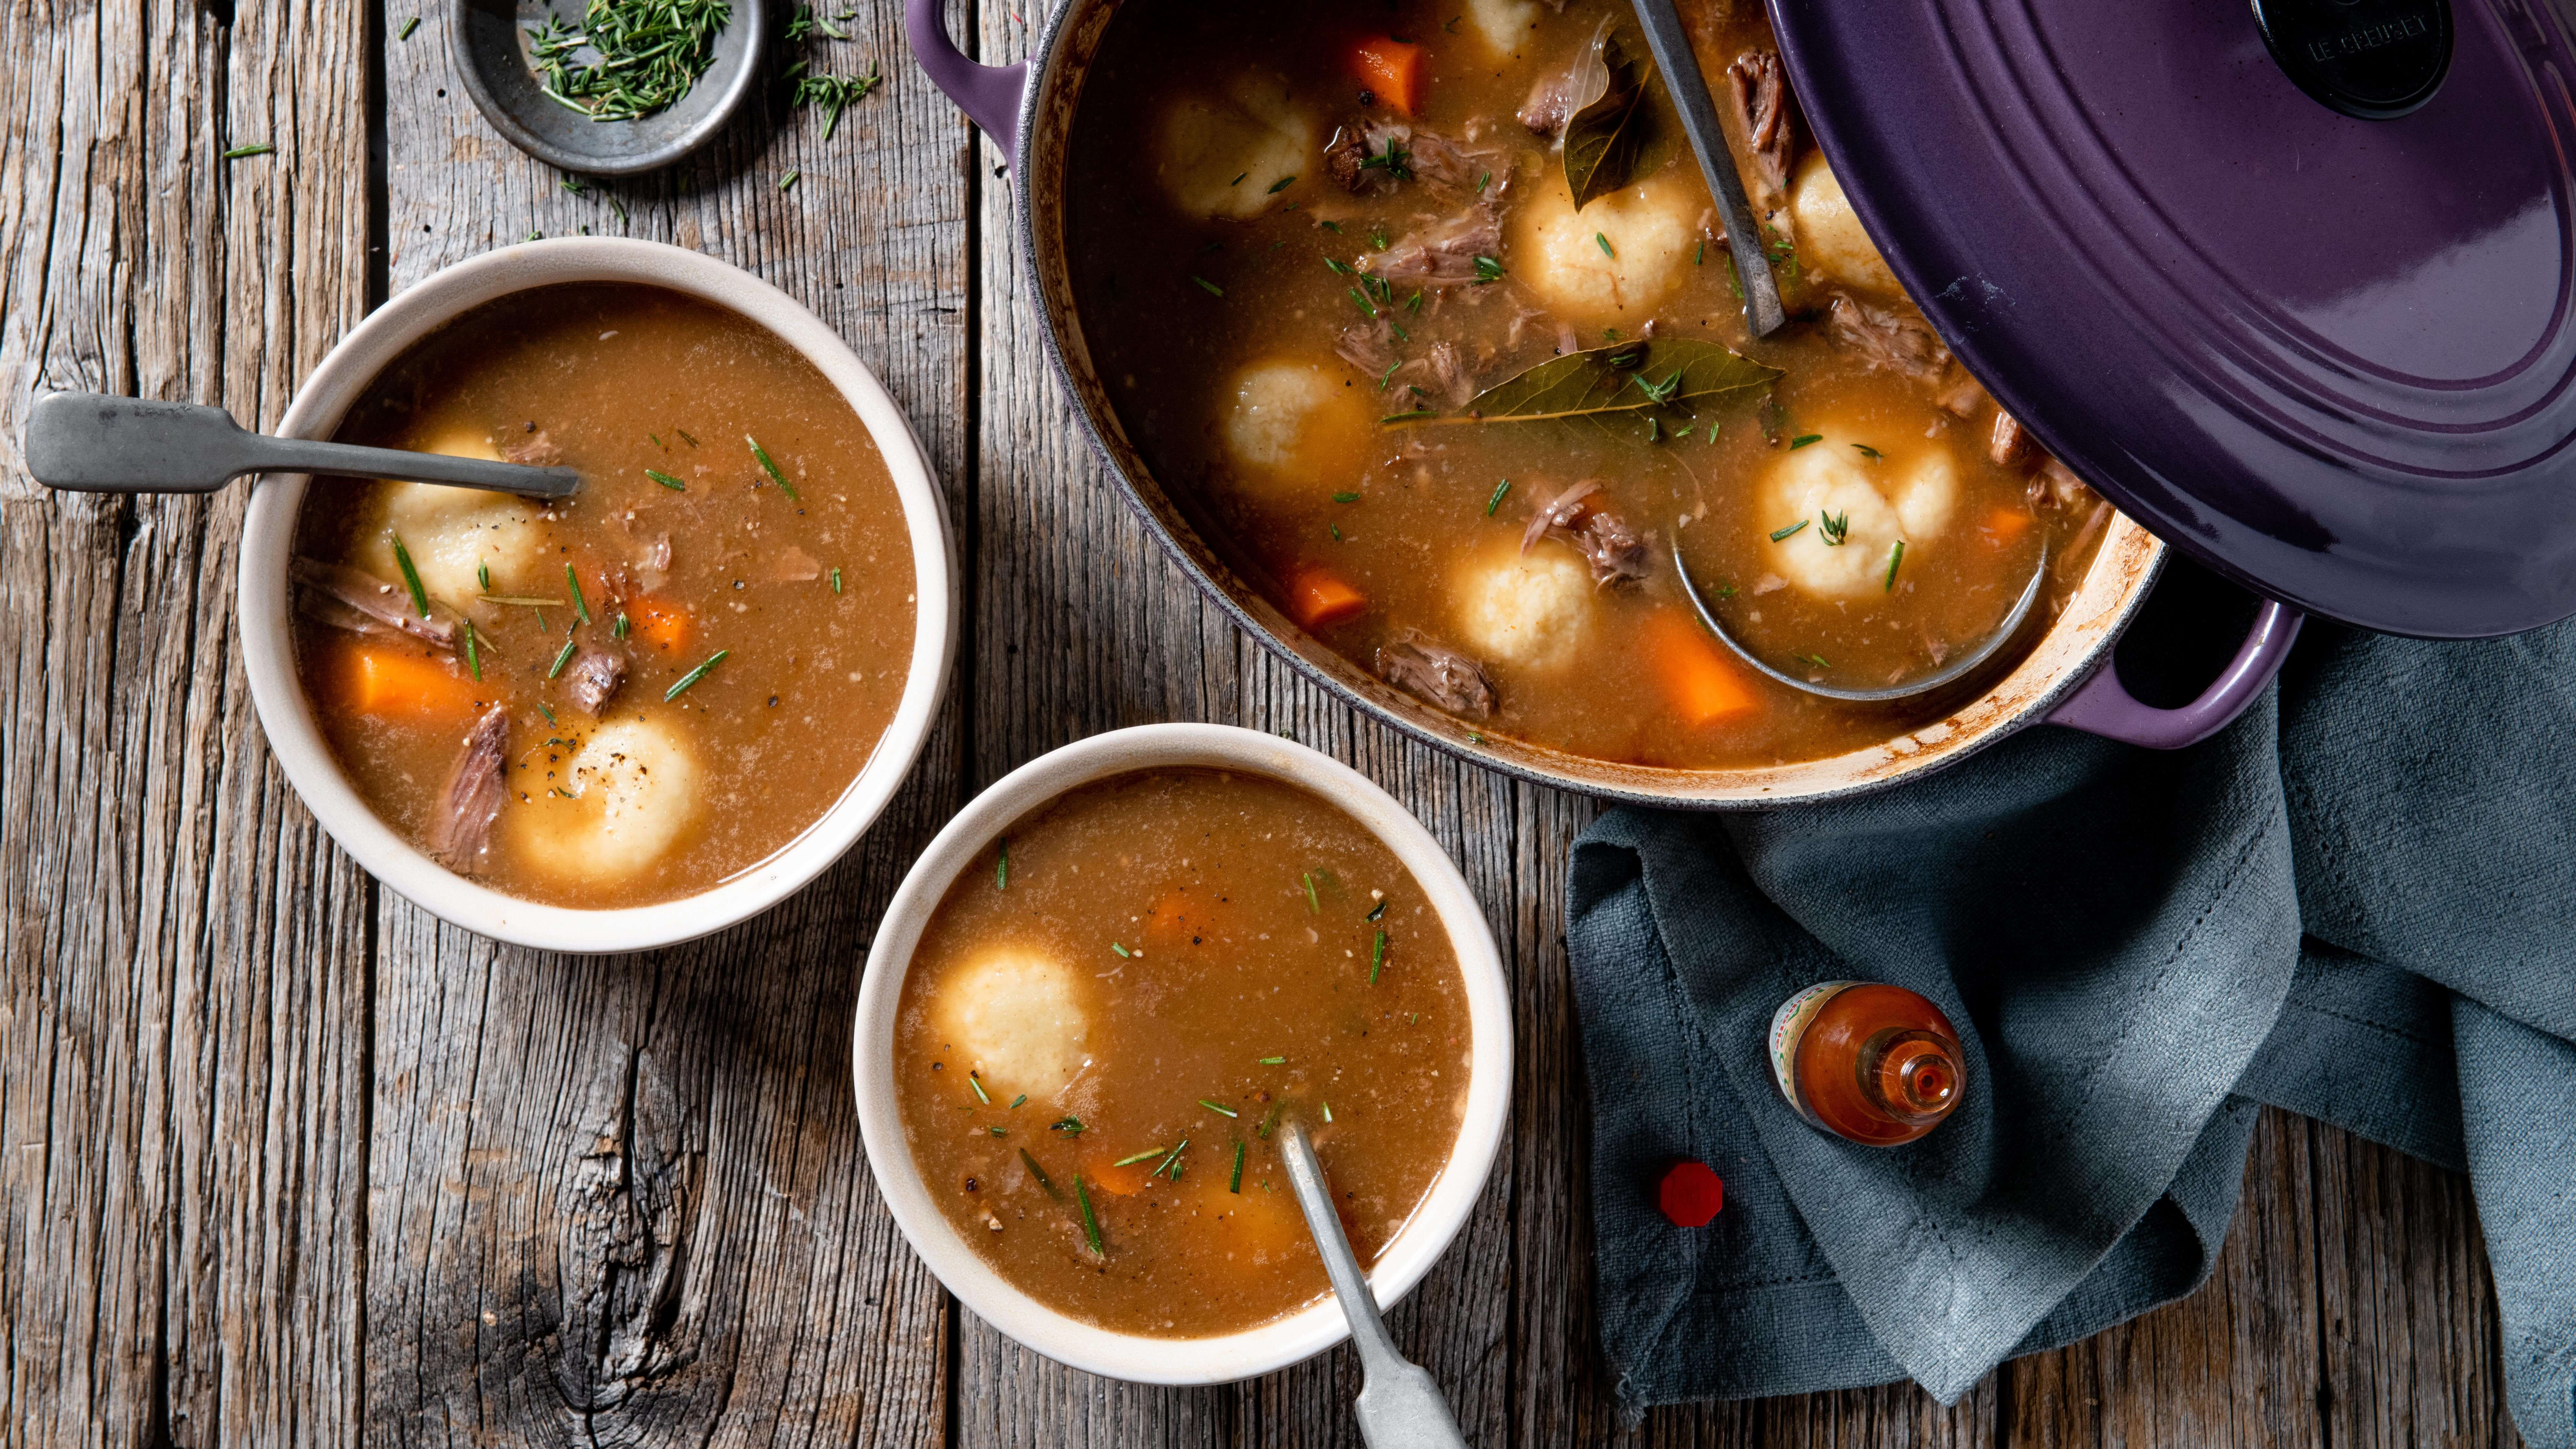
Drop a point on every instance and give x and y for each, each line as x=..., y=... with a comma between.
x=623, y=1199
x=184, y=964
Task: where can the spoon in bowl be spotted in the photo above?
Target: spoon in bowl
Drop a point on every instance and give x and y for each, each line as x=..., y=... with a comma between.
x=1950, y=673
x=1399, y=1407
x=91, y=443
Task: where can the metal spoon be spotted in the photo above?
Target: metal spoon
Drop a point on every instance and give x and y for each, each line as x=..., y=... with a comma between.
x=91, y=443
x=1672, y=50
x=1950, y=673
x=1399, y=1407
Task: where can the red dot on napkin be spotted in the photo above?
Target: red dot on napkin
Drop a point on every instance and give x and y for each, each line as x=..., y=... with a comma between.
x=1690, y=1194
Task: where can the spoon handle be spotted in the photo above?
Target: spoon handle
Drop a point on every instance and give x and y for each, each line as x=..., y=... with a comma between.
x=1671, y=45
x=1400, y=1405
x=92, y=443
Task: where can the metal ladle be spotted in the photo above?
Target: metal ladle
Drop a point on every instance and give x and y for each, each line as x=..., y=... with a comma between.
x=1671, y=46
x=91, y=443
x=1400, y=1406
x=1950, y=673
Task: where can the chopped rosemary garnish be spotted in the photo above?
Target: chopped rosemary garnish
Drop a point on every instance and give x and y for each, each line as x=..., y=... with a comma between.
x=1002, y=866
x=770, y=467
x=1869, y=452
x=1701, y=254
x=1339, y=267
x=1397, y=162
x=1238, y=178
x=1219, y=1107
x=562, y=658
x=1488, y=270
x=1804, y=439
x=1785, y=532
x=1211, y=288
x=407, y=28
x=1377, y=957
x=648, y=55
x=684, y=437
x=1069, y=1126
x=1895, y=556
x=1817, y=660
x=1272, y=1119
x=256, y=148
x=549, y=714
x=1149, y=1152
x=1834, y=528
x=694, y=675
x=1282, y=184
x=1090, y=1224
x=1483, y=181
x=1603, y=242
x=1334, y=227
x=483, y=576
x=1123, y=952
x=1335, y=530
x=1313, y=906
x=474, y=660
x=411, y=577
x=1367, y=307
x=1346, y=496
x=789, y=180
x=1497, y=500
x=1039, y=1173
x=975, y=1080
x=1273, y=1061
x=1019, y=1101
x=1235, y=1185
x=666, y=480
x=1172, y=1163
x=580, y=605
x=1661, y=392
x=996, y=1132
x=1379, y=910
x=834, y=93
x=620, y=627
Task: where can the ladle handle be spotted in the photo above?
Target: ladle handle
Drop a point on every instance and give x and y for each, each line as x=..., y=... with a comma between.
x=1670, y=43
x=2103, y=706
x=988, y=94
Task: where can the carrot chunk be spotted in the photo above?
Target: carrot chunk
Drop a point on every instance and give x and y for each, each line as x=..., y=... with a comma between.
x=395, y=683
x=1701, y=684
x=1318, y=598
x=2007, y=523
x=1393, y=69
x=658, y=623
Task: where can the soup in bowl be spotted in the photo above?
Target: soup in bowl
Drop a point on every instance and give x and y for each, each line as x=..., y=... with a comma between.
x=632, y=716
x=1100, y=994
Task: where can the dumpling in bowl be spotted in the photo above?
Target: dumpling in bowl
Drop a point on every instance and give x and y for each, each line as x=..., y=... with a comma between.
x=1855, y=508
x=1830, y=237
x=1218, y=154
x=1017, y=1021
x=607, y=805
x=1290, y=422
x=1616, y=260
x=1531, y=610
x=453, y=534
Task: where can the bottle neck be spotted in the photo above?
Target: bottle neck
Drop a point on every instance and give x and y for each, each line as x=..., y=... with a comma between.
x=1912, y=1075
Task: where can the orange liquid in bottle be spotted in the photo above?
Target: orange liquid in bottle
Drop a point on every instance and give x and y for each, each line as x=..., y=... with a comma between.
x=1877, y=1064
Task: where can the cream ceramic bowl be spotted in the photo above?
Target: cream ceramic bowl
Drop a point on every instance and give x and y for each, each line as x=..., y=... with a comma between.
x=964, y=845
x=265, y=599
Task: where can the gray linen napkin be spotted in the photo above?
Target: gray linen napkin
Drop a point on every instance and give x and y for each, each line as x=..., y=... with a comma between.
x=2355, y=904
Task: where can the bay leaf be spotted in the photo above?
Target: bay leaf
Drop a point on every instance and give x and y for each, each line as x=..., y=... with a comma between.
x=1676, y=373
x=1603, y=134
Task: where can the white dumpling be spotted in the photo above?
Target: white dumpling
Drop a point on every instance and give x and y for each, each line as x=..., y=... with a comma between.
x=618, y=797
x=1219, y=154
x=1830, y=238
x=1616, y=260
x=453, y=534
x=1503, y=25
x=1016, y=1019
x=1528, y=610
x=1291, y=421
x=1881, y=501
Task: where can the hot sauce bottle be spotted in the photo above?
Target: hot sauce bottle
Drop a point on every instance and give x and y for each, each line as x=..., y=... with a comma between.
x=1877, y=1064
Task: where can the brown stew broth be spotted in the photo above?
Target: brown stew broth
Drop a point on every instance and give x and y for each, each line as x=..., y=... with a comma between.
x=1403, y=511
x=1202, y=879
x=809, y=599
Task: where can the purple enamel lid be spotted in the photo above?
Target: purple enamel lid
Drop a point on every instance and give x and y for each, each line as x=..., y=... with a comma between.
x=2329, y=356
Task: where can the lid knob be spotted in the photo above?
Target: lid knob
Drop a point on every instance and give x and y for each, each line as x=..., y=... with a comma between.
x=2373, y=59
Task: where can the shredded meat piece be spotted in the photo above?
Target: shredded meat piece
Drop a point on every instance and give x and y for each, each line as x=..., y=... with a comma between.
x=1436, y=673
x=533, y=450
x=1616, y=552
x=472, y=799
x=1449, y=375
x=1960, y=396
x=363, y=594
x=1884, y=338
x=1443, y=254
x=1368, y=346
x=1359, y=159
x=2056, y=486
x=1761, y=93
x=1560, y=93
x=593, y=679
x=2009, y=442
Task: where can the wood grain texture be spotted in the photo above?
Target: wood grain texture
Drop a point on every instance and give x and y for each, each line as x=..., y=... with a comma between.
x=283, y=1159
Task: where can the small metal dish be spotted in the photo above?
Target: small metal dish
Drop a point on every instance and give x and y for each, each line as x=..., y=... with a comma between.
x=488, y=40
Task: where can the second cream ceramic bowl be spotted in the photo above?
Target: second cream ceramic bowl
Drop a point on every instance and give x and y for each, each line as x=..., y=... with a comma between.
x=268, y=652
x=966, y=844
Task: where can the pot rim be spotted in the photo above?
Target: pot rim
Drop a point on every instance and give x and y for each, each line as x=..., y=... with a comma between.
x=2140, y=552
x=264, y=615
x=960, y=846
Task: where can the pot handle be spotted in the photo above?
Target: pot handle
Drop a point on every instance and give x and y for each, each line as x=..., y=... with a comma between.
x=2101, y=706
x=988, y=94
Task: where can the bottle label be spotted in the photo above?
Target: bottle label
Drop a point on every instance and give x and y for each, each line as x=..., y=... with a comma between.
x=1789, y=1027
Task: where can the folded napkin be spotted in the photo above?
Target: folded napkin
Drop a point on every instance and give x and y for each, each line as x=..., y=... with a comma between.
x=2358, y=903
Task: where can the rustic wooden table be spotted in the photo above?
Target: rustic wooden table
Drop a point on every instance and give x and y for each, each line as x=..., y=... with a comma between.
x=287, y=1160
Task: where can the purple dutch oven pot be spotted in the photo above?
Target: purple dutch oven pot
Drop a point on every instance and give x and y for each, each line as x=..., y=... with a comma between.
x=2294, y=288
